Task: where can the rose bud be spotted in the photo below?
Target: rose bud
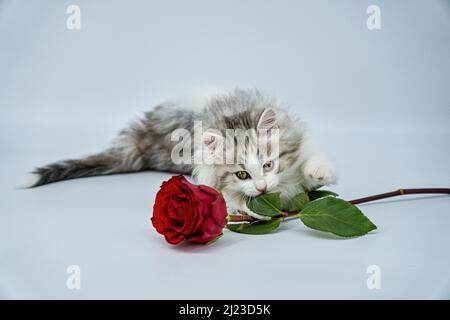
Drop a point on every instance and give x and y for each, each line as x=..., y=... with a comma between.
x=185, y=211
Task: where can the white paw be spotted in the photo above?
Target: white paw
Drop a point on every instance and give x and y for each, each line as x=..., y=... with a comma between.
x=257, y=216
x=246, y=210
x=319, y=171
x=240, y=207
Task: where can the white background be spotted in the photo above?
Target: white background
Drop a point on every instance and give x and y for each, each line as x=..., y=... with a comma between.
x=379, y=102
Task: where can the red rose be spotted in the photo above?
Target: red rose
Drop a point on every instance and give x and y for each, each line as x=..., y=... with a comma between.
x=184, y=211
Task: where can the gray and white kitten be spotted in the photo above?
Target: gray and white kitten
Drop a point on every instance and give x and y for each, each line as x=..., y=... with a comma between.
x=147, y=144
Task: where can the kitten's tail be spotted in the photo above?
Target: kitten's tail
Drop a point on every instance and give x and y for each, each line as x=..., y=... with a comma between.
x=145, y=145
x=124, y=156
x=108, y=162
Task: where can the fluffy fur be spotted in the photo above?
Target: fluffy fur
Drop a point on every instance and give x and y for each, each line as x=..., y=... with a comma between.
x=148, y=144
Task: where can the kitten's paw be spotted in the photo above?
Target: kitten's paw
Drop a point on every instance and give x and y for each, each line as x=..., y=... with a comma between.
x=240, y=207
x=253, y=214
x=257, y=216
x=319, y=171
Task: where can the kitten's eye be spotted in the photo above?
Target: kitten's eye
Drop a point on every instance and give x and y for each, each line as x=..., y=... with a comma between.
x=268, y=166
x=243, y=175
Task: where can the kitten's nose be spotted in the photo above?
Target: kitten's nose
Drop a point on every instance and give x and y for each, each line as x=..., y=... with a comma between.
x=261, y=185
x=262, y=189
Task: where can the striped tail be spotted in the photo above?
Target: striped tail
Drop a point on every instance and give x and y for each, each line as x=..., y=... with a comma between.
x=145, y=145
x=108, y=162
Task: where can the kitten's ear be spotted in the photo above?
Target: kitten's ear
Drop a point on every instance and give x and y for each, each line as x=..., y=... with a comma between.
x=268, y=120
x=212, y=141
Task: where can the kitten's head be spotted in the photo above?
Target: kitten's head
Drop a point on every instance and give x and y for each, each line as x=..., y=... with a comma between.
x=256, y=153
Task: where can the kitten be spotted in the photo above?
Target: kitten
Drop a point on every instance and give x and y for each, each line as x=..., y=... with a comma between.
x=149, y=144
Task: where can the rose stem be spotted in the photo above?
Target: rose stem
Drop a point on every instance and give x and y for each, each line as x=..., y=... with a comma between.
x=399, y=192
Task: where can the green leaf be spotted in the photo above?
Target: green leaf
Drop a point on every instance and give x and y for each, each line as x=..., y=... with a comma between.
x=298, y=202
x=267, y=204
x=257, y=227
x=317, y=194
x=337, y=216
